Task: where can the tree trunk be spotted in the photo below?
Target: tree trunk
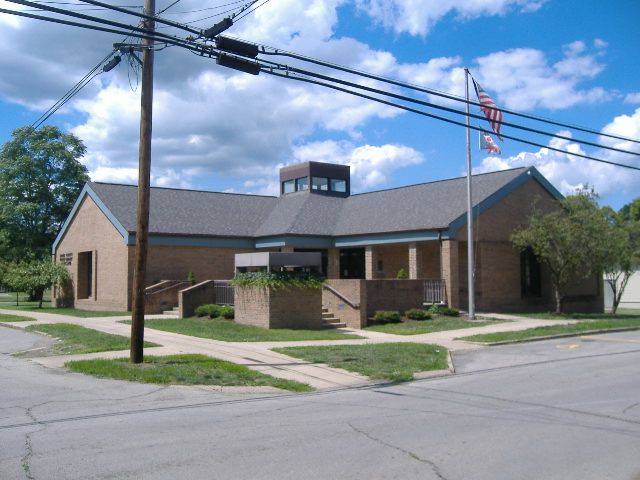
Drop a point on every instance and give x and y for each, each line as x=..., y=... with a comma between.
x=558, y=298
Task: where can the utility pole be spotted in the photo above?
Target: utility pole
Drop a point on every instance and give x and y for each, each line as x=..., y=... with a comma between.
x=144, y=180
x=470, y=256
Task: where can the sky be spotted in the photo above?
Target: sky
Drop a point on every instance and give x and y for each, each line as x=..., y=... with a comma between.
x=218, y=129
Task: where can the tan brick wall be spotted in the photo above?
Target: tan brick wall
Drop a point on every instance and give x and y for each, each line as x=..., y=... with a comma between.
x=450, y=272
x=400, y=295
x=393, y=258
x=91, y=231
x=353, y=290
x=282, y=308
x=497, y=282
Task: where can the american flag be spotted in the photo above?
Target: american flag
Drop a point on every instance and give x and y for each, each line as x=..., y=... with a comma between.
x=487, y=143
x=489, y=108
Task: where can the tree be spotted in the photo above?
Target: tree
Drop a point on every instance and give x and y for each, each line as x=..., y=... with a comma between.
x=624, y=248
x=40, y=179
x=35, y=277
x=571, y=241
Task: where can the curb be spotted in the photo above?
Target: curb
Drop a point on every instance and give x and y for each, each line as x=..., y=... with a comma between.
x=550, y=337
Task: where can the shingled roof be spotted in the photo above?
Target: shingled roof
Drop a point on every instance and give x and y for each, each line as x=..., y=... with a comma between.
x=426, y=206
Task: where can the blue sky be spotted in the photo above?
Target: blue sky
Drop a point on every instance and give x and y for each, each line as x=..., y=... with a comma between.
x=218, y=129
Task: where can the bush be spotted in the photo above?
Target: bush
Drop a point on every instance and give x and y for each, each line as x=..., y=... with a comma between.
x=402, y=274
x=417, y=314
x=227, y=312
x=440, y=310
x=387, y=316
x=209, y=310
x=278, y=280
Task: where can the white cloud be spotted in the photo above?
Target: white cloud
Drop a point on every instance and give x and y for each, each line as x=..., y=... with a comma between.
x=524, y=79
x=568, y=172
x=417, y=17
x=371, y=165
x=632, y=98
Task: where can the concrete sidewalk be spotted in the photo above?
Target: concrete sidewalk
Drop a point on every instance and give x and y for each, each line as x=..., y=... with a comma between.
x=258, y=355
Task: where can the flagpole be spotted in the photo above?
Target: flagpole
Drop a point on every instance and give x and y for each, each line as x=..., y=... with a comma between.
x=470, y=259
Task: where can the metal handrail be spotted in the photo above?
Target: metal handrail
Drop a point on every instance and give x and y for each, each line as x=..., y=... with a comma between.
x=351, y=303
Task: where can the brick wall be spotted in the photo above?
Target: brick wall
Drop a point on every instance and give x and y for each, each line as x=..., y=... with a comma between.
x=353, y=290
x=397, y=295
x=91, y=231
x=282, y=308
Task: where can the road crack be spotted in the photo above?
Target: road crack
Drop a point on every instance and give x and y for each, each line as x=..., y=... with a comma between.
x=434, y=467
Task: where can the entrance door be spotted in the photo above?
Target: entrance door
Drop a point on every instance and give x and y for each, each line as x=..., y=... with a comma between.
x=352, y=263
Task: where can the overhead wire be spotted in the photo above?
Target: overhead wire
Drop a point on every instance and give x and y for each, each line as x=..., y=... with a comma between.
x=448, y=109
x=430, y=91
x=252, y=10
x=276, y=73
x=299, y=74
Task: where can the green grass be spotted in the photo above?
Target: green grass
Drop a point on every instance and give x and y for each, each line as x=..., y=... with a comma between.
x=621, y=315
x=390, y=361
x=182, y=370
x=47, y=308
x=439, y=324
x=15, y=318
x=576, y=328
x=75, y=339
x=229, y=331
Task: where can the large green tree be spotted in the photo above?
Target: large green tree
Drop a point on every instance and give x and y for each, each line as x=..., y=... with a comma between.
x=40, y=178
x=572, y=241
x=623, y=248
x=35, y=277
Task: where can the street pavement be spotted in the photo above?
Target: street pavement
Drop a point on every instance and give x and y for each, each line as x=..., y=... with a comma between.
x=558, y=409
x=260, y=357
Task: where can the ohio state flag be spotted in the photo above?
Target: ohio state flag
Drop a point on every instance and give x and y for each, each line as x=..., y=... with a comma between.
x=487, y=143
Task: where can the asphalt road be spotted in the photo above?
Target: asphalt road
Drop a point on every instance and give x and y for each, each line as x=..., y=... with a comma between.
x=562, y=409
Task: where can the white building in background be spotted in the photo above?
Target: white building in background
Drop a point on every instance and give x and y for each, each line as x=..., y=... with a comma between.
x=630, y=297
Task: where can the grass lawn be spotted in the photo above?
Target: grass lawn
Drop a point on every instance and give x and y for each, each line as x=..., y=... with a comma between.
x=391, y=361
x=229, y=331
x=621, y=315
x=416, y=327
x=182, y=370
x=47, y=308
x=555, y=330
x=75, y=339
x=14, y=318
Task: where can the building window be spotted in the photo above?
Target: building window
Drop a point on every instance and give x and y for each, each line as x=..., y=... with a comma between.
x=289, y=186
x=85, y=274
x=338, y=185
x=320, y=183
x=530, y=282
x=302, y=184
x=66, y=259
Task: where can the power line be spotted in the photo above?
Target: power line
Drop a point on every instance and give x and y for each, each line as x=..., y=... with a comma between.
x=167, y=8
x=83, y=82
x=444, y=108
x=252, y=10
x=430, y=91
x=269, y=71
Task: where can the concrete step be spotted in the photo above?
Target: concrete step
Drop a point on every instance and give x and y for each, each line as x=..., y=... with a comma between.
x=337, y=324
x=170, y=313
x=327, y=315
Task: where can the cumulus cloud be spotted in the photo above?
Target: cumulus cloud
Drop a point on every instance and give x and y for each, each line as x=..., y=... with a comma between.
x=524, y=79
x=371, y=165
x=418, y=17
x=632, y=98
x=568, y=172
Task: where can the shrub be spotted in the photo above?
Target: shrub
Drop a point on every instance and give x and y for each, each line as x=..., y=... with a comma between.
x=278, y=280
x=210, y=310
x=386, y=316
x=191, y=278
x=227, y=312
x=402, y=274
x=417, y=314
x=440, y=310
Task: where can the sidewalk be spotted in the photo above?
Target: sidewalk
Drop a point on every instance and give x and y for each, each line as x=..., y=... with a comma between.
x=258, y=355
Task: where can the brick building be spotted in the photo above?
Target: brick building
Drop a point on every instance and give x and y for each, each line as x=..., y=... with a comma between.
x=371, y=236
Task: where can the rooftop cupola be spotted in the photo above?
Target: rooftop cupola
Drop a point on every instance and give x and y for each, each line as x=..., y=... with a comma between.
x=316, y=177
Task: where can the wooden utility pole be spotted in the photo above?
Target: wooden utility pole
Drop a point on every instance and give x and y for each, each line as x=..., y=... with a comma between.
x=144, y=180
